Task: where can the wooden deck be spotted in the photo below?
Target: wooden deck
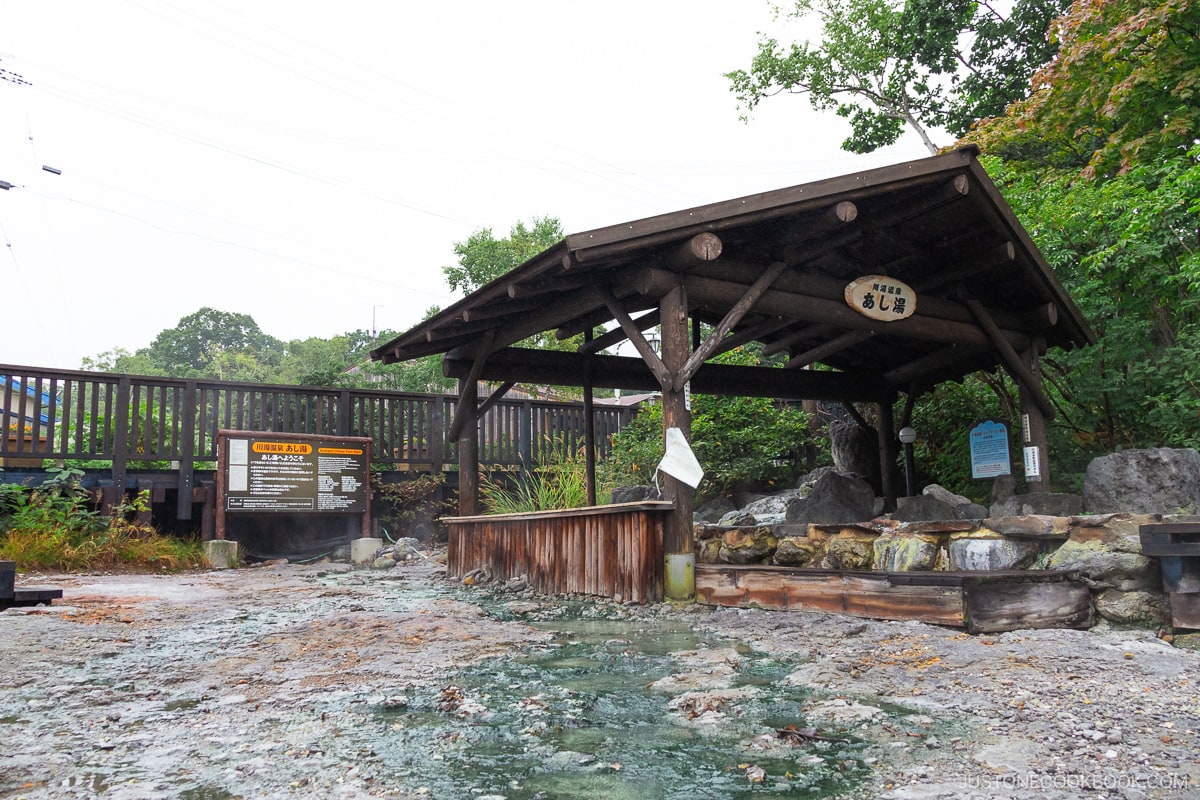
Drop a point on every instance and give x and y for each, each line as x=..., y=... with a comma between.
x=981, y=602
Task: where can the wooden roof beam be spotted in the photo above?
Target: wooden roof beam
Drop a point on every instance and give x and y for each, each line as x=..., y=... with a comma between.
x=732, y=318
x=708, y=291
x=617, y=334
x=833, y=346
x=559, y=368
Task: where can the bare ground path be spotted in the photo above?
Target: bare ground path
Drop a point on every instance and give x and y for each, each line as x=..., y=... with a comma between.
x=267, y=682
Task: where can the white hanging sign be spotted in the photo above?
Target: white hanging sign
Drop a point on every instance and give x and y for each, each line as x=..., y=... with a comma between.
x=881, y=298
x=679, y=461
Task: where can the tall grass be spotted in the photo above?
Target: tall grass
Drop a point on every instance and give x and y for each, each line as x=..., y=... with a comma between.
x=52, y=527
x=559, y=482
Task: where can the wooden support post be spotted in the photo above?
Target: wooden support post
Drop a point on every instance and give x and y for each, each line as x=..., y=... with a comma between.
x=1033, y=425
x=673, y=310
x=468, y=448
x=589, y=428
x=887, y=454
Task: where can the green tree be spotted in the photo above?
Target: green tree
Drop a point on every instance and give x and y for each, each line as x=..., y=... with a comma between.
x=482, y=257
x=883, y=65
x=204, y=344
x=1121, y=91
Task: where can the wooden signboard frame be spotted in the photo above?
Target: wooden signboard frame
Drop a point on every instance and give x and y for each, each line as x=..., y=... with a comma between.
x=296, y=474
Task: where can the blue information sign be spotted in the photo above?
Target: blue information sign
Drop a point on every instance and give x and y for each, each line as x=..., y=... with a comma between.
x=989, y=450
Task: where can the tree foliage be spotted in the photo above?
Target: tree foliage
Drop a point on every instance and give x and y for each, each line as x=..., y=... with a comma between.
x=1122, y=91
x=883, y=65
x=482, y=257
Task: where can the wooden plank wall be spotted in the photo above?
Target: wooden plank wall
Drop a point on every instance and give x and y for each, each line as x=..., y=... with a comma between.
x=611, y=551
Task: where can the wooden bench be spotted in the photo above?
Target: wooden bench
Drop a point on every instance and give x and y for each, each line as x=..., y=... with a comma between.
x=11, y=596
x=1176, y=545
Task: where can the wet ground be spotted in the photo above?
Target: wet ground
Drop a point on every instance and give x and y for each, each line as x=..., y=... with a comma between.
x=288, y=680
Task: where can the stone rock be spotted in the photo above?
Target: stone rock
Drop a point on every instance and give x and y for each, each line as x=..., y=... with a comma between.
x=807, y=481
x=1104, y=565
x=964, y=507
x=846, y=553
x=702, y=532
x=711, y=511
x=1155, y=481
x=922, y=507
x=1051, y=504
x=1133, y=608
x=747, y=545
x=737, y=518
x=834, y=498
x=635, y=494
x=855, y=452
x=1119, y=532
x=770, y=506
x=1003, y=487
x=708, y=551
x=1186, y=641
x=992, y=554
x=905, y=553
x=795, y=551
x=383, y=562
x=1032, y=526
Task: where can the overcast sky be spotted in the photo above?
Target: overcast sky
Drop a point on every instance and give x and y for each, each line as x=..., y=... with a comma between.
x=312, y=164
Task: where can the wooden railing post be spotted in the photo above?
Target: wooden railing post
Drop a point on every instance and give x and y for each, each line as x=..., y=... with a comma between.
x=187, y=454
x=344, y=413
x=120, y=462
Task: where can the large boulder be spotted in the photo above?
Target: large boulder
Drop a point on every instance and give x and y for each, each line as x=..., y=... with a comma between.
x=855, y=451
x=747, y=545
x=850, y=553
x=796, y=551
x=834, y=498
x=905, y=553
x=992, y=554
x=937, y=503
x=635, y=494
x=1049, y=504
x=1107, y=550
x=1156, y=481
x=1133, y=608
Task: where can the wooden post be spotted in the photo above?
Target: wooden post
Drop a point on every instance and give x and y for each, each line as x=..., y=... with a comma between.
x=589, y=429
x=673, y=311
x=1033, y=424
x=887, y=454
x=468, y=449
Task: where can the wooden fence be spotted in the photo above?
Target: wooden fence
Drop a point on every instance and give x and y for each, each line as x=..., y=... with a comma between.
x=136, y=431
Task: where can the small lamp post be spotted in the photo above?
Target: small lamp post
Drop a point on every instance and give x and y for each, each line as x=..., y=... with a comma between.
x=907, y=437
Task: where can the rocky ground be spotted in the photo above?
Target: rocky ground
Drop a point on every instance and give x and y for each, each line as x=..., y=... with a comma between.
x=268, y=681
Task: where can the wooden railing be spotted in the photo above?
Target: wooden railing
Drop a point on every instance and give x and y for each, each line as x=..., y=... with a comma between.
x=124, y=423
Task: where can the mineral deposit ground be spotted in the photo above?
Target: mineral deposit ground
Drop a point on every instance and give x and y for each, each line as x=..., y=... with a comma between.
x=323, y=680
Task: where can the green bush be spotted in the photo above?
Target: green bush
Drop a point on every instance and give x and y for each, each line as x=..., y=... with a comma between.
x=52, y=526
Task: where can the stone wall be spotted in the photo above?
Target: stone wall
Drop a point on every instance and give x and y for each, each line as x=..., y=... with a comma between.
x=1104, y=549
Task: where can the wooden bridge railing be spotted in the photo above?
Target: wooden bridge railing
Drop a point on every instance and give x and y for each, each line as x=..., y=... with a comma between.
x=128, y=422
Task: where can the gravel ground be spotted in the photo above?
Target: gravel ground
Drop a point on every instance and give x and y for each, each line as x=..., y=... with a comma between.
x=255, y=682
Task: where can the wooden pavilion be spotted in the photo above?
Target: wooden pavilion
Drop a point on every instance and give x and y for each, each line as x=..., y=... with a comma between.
x=874, y=284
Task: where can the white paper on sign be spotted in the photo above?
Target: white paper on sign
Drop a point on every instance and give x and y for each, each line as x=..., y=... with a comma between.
x=679, y=461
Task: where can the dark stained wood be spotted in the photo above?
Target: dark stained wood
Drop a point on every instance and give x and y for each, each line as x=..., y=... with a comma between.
x=863, y=594
x=540, y=366
x=802, y=307
x=634, y=334
x=1010, y=357
x=702, y=247
x=1026, y=602
x=611, y=551
x=673, y=313
x=982, y=602
x=731, y=319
